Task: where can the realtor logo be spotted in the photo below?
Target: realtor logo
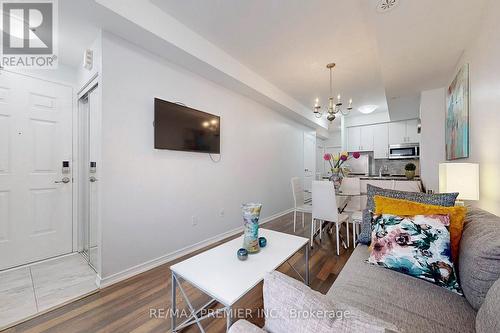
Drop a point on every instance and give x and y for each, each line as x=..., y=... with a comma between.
x=29, y=34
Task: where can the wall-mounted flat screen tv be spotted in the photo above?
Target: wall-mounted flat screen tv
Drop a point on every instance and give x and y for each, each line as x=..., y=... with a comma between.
x=179, y=127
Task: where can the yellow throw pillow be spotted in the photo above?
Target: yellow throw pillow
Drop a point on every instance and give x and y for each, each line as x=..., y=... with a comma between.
x=384, y=205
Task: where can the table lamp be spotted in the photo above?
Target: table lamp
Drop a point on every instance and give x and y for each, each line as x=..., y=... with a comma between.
x=460, y=177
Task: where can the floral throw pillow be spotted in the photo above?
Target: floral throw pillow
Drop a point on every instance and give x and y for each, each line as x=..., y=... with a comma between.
x=415, y=245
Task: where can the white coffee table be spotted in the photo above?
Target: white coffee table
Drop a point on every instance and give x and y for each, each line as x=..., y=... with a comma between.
x=219, y=274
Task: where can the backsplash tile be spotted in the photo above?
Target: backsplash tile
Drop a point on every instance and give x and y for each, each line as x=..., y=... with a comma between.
x=395, y=167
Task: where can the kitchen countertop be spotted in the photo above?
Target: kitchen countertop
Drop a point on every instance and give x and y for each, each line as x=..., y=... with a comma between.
x=402, y=178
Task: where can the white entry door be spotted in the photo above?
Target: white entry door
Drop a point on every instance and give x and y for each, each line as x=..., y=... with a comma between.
x=35, y=139
x=309, y=160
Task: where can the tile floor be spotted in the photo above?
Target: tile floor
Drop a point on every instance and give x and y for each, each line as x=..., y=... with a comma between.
x=36, y=288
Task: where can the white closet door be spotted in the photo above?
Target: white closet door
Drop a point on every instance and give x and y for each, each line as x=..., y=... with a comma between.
x=35, y=139
x=309, y=160
x=94, y=153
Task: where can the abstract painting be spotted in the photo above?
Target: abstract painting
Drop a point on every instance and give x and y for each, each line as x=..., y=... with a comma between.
x=457, y=116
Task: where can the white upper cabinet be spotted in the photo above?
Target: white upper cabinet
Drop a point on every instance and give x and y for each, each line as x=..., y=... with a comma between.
x=366, y=138
x=397, y=132
x=403, y=132
x=377, y=138
x=360, y=138
x=353, y=138
x=380, y=141
x=412, y=131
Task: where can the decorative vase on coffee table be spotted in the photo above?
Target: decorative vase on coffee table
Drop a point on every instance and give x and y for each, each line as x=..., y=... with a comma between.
x=251, y=214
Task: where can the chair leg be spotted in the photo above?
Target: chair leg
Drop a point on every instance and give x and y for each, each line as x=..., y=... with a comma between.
x=320, y=230
x=294, y=219
x=347, y=227
x=354, y=232
x=313, y=226
x=303, y=220
x=338, y=240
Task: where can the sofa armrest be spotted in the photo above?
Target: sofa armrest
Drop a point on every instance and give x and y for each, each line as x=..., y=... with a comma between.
x=285, y=298
x=292, y=307
x=243, y=326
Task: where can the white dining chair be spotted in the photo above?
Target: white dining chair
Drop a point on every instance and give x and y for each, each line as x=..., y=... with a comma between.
x=324, y=208
x=298, y=201
x=352, y=186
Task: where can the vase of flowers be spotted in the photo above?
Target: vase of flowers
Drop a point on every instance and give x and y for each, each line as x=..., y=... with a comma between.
x=336, y=166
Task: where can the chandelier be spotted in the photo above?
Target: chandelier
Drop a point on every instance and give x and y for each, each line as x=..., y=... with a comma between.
x=333, y=108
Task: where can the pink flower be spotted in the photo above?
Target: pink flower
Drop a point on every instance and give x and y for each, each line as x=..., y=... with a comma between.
x=343, y=157
x=356, y=155
x=327, y=157
x=381, y=247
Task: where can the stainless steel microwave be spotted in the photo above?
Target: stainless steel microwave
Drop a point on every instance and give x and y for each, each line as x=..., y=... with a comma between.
x=405, y=150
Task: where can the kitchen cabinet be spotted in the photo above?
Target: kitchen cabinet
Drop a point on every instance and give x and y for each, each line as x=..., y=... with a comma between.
x=366, y=134
x=403, y=132
x=353, y=138
x=408, y=185
x=377, y=138
x=360, y=138
x=397, y=132
x=380, y=141
x=391, y=184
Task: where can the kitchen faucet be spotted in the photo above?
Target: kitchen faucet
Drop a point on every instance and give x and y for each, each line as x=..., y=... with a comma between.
x=382, y=168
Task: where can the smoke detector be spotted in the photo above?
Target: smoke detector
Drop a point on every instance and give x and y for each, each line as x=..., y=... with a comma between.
x=385, y=6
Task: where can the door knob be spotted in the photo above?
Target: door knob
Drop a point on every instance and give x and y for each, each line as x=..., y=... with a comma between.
x=92, y=179
x=65, y=180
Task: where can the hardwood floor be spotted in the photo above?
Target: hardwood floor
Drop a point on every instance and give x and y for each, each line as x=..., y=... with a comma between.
x=126, y=306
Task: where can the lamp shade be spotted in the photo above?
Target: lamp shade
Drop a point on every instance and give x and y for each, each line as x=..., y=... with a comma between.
x=460, y=177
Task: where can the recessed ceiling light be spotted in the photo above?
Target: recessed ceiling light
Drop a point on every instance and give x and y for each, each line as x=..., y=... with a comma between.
x=387, y=5
x=367, y=108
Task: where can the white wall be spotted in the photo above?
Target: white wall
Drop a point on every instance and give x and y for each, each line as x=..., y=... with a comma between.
x=432, y=138
x=483, y=55
x=84, y=75
x=149, y=196
x=160, y=33
x=334, y=139
x=366, y=119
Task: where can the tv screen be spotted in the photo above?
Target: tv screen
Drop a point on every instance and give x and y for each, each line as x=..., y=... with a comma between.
x=178, y=127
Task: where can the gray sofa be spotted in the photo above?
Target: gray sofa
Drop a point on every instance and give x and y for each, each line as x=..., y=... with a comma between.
x=391, y=301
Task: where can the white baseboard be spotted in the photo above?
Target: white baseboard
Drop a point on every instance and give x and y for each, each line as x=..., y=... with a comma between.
x=148, y=265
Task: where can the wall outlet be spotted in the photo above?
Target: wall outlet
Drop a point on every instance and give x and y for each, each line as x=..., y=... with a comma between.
x=222, y=212
x=194, y=220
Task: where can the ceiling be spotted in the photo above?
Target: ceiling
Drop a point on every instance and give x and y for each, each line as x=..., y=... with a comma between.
x=379, y=56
